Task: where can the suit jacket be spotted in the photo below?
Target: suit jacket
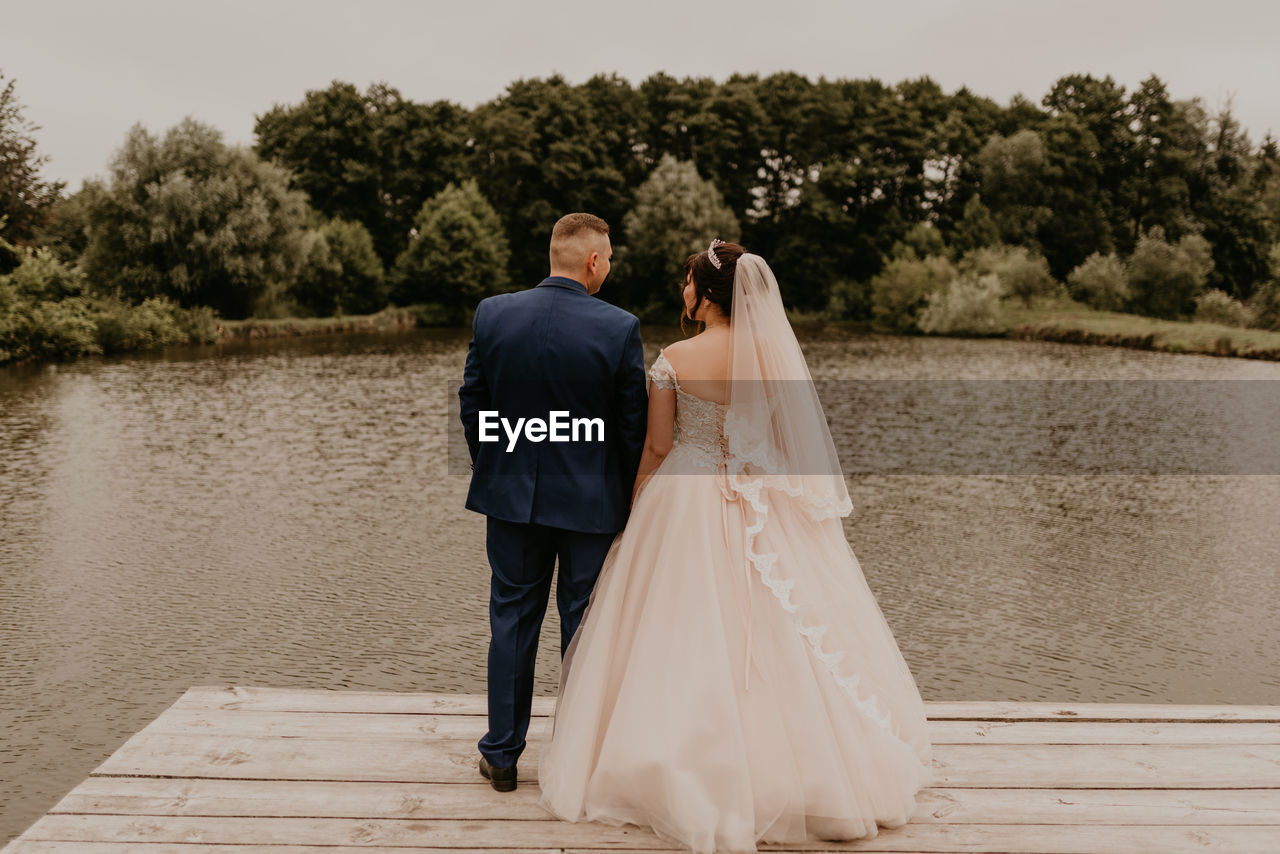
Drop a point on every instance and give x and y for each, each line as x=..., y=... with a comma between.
x=551, y=348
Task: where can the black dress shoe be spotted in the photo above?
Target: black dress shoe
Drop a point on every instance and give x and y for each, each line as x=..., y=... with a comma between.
x=502, y=779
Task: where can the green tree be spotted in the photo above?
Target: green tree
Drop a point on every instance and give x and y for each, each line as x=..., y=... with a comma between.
x=820, y=245
x=371, y=158
x=976, y=227
x=921, y=241
x=1082, y=207
x=24, y=196
x=670, y=107
x=1166, y=147
x=788, y=154
x=677, y=213
x=341, y=273
x=950, y=170
x=1097, y=163
x=65, y=231
x=1266, y=180
x=1013, y=185
x=1235, y=218
x=458, y=254
x=192, y=218
x=729, y=133
x=537, y=156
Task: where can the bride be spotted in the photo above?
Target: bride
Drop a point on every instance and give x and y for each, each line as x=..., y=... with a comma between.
x=733, y=680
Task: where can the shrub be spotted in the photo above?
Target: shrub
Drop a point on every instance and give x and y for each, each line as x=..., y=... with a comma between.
x=41, y=275
x=154, y=323
x=1264, y=305
x=1024, y=275
x=902, y=290
x=37, y=318
x=1265, y=302
x=849, y=300
x=200, y=324
x=970, y=306
x=1215, y=306
x=1165, y=277
x=1101, y=282
x=45, y=329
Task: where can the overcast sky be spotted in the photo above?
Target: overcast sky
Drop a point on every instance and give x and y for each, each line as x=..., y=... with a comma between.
x=88, y=70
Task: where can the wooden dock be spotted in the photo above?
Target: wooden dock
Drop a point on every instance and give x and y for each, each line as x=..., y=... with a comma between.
x=237, y=770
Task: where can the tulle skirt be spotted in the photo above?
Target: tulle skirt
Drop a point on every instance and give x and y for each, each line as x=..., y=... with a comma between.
x=697, y=698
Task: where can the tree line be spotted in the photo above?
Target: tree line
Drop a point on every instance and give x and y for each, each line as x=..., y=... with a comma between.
x=872, y=201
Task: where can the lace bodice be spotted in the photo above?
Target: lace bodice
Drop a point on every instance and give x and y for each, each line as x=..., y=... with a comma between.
x=699, y=430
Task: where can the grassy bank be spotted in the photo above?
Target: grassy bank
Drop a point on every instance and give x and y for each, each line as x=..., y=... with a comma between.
x=1074, y=323
x=390, y=319
x=1047, y=320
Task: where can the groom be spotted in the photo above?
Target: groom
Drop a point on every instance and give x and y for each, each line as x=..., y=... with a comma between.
x=552, y=351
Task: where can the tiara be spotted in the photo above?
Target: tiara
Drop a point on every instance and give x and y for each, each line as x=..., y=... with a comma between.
x=711, y=255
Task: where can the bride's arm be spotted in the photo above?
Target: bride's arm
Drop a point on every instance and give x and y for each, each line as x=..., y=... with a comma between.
x=660, y=434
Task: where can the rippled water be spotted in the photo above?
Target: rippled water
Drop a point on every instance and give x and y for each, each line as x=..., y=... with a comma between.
x=280, y=513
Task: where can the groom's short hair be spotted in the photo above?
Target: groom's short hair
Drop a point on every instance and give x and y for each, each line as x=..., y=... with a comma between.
x=567, y=238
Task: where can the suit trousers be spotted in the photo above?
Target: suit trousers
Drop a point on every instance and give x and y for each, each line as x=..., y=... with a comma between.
x=522, y=557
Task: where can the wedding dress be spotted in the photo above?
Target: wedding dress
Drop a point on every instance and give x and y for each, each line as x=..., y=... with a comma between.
x=733, y=680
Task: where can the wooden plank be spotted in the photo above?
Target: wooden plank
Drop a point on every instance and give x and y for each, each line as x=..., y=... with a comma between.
x=86, y=847
x=1173, y=766
x=363, y=702
x=47, y=847
x=384, y=702
x=1124, y=766
x=457, y=726
x=507, y=835
x=356, y=726
x=19, y=846
x=341, y=831
x=298, y=798
x=249, y=769
x=472, y=801
x=989, y=710
x=1101, y=732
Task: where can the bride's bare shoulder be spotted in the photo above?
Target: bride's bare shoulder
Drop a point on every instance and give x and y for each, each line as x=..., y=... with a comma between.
x=700, y=356
x=677, y=349
x=682, y=352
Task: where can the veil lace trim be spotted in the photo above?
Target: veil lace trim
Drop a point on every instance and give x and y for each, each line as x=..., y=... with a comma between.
x=763, y=564
x=760, y=456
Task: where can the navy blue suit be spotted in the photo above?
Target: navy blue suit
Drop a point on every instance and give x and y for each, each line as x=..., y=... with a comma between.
x=552, y=348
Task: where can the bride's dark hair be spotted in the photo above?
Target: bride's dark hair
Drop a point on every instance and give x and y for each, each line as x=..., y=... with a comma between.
x=711, y=284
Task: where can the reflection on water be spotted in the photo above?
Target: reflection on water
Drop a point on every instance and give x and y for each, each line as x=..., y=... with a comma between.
x=280, y=513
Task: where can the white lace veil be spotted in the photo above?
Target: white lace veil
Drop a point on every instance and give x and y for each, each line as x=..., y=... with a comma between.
x=782, y=465
x=778, y=435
